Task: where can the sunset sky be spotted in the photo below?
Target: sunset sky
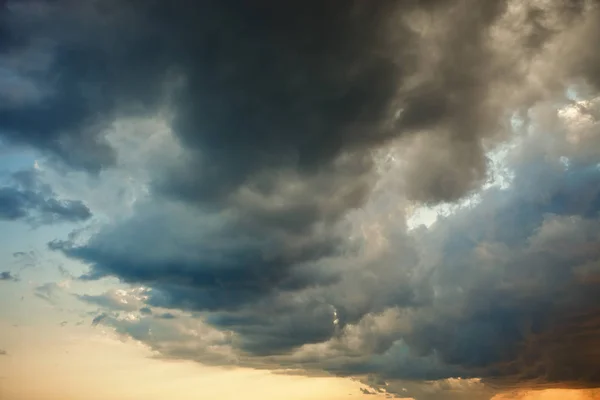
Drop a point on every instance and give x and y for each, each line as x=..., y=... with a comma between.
x=301, y=200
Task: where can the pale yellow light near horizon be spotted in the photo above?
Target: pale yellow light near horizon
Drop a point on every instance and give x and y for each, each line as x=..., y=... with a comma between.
x=552, y=394
x=48, y=362
x=86, y=364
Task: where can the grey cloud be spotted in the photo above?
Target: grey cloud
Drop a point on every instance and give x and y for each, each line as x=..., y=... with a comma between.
x=117, y=300
x=175, y=338
x=296, y=158
x=48, y=291
x=146, y=311
x=99, y=318
x=64, y=272
x=26, y=259
x=278, y=329
x=279, y=113
x=105, y=301
x=501, y=294
x=213, y=268
x=367, y=391
x=3, y=352
x=505, y=310
x=25, y=198
x=7, y=276
x=261, y=91
x=166, y=316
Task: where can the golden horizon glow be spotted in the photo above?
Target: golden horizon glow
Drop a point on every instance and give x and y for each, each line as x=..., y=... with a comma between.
x=95, y=365
x=551, y=394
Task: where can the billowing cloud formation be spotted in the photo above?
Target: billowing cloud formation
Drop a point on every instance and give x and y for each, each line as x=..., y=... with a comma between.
x=26, y=198
x=250, y=87
x=254, y=91
x=502, y=293
x=302, y=134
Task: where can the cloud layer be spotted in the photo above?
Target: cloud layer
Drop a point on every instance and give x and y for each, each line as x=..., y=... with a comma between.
x=273, y=232
x=26, y=198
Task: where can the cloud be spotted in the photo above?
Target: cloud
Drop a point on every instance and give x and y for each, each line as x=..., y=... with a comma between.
x=50, y=291
x=345, y=94
x=26, y=198
x=304, y=133
x=99, y=318
x=166, y=316
x=367, y=391
x=3, y=352
x=261, y=92
x=499, y=294
x=118, y=299
x=7, y=276
x=26, y=259
x=146, y=311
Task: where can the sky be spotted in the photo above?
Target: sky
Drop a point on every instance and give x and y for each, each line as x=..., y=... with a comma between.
x=307, y=200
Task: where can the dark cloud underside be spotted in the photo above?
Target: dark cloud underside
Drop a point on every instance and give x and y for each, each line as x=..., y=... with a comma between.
x=16, y=205
x=256, y=87
x=25, y=198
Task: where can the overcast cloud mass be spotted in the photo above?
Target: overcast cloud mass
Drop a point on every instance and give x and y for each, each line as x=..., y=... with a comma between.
x=257, y=169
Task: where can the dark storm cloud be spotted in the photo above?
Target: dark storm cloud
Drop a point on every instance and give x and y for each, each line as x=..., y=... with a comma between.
x=278, y=329
x=279, y=107
x=269, y=96
x=213, y=268
x=507, y=292
x=262, y=86
x=25, y=198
